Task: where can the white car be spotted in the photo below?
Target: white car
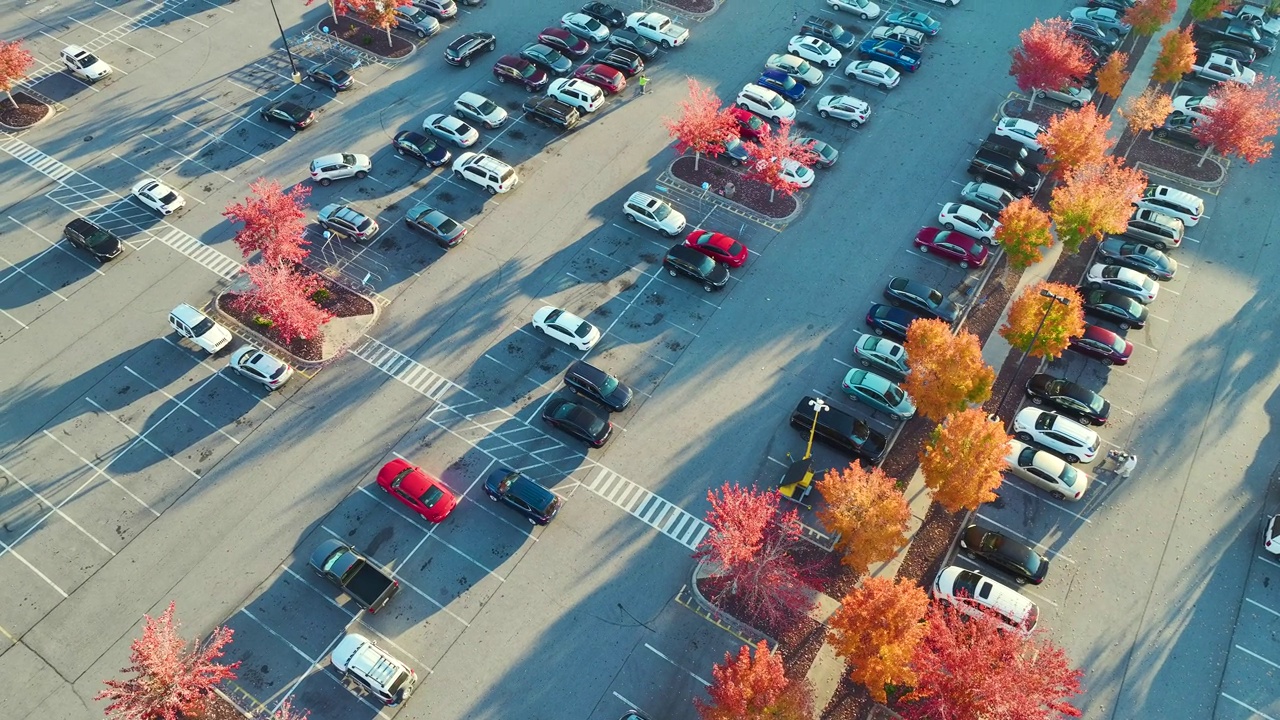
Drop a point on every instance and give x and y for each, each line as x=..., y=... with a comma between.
x=1126, y=281
x=970, y=221
x=655, y=213
x=566, y=327
x=158, y=196
x=1024, y=131
x=1046, y=471
x=973, y=593
x=796, y=174
x=765, y=103
x=948, y=3
x=478, y=108
x=260, y=367
x=864, y=9
x=911, y=38
x=84, y=64
x=844, y=107
x=814, y=50
x=1181, y=204
x=658, y=28
x=486, y=171
x=195, y=326
x=1271, y=540
x=578, y=93
x=1194, y=105
x=1072, y=441
x=585, y=27
x=337, y=166
x=797, y=68
x=450, y=129
x=1073, y=96
x=873, y=72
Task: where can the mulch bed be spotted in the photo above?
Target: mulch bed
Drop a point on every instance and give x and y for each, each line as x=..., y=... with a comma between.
x=691, y=6
x=342, y=302
x=1184, y=162
x=28, y=112
x=218, y=708
x=366, y=37
x=799, y=636
x=751, y=194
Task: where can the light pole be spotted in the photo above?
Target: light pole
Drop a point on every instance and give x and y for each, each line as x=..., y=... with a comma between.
x=1048, y=308
x=818, y=407
x=297, y=76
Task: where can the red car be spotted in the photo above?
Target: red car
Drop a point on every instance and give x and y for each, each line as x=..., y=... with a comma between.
x=424, y=494
x=953, y=245
x=608, y=79
x=564, y=41
x=1102, y=344
x=750, y=125
x=512, y=68
x=717, y=246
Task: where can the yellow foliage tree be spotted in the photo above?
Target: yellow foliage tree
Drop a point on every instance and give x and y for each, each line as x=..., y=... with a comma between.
x=1147, y=111
x=964, y=458
x=867, y=511
x=876, y=630
x=947, y=372
x=1177, y=55
x=1023, y=232
x=1113, y=76
x=1050, y=323
x=1095, y=199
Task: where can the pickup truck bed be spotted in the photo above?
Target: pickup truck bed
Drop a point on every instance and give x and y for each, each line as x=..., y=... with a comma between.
x=369, y=585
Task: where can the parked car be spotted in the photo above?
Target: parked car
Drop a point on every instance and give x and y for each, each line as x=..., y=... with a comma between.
x=1271, y=538
x=1119, y=308
x=1102, y=345
x=995, y=548
x=887, y=320
x=511, y=68
x=765, y=102
x=1180, y=128
x=348, y=222
x=486, y=171
x=441, y=9
x=566, y=327
x=585, y=26
x=469, y=46
x=891, y=52
x=1238, y=31
x=917, y=296
x=607, y=78
x=416, y=20
x=633, y=41
x=1239, y=51
x=819, y=52
x=717, y=246
x=605, y=13
x=595, y=384
x=578, y=93
x=97, y=241
x=480, y=110
x=417, y=145
x=433, y=223
x=338, y=166
x=734, y=149
x=1172, y=202
x=1216, y=67
x=975, y=594
x=840, y=428
x=1068, y=398
x=334, y=74
x=796, y=67
x=195, y=326
x=996, y=144
x=252, y=363
x=1155, y=228
x=864, y=9
x=547, y=58
x=873, y=72
x=579, y=420
x=1006, y=172
x=564, y=41
x=1045, y=470
x=906, y=36
x=1140, y=257
x=654, y=213
x=957, y=247
x=627, y=61
x=969, y=220
x=1069, y=94
x=369, y=585
x=1024, y=131
x=657, y=28
x=687, y=261
x=84, y=64
x=158, y=196
x=523, y=494
x=750, y=125
x=1108, y=19
x=1196, y=106
x=1122, y=280
x=368, y=667
x=826, y=154
x=796, y=174
x=1090, y=33
x=986, y=197
x=915, y=20
x=783, y=84
x=417, y=490
x=882, y=355
x=845, y=107
x=828, y=30
x=551, y=112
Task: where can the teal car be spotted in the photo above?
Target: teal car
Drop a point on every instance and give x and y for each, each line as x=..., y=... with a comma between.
x=878, y=392
x=915, y=20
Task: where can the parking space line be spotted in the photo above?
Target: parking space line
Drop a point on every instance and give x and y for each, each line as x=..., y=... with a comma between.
x=182, y=404
x=243, y=119
x=57, y=508
x=114, y=31
x=628, y=703
x=1248, y=707
x=218, y=139
x=81, y=260
x=1126, y=373
x=1024, y=491
x=6, y=548
x=1249, y=600
x=215, y=372
x=1269, y=561
x=838, y=360
x=278, y=636
x=103, y=470
x=185, y=158
x=1053, y=555
x=20, y=269
x=365, y=489
x=143, y=438
x=695, y=675
x=1246, y=650
x=21, y=324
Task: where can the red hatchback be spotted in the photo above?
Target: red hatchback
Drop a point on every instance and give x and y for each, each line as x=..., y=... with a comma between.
x=1102, y=344
x=610, y=80
x=424, y=494
x=750, y=125
x=564, y=41
x=955, y=246
x=718, y=247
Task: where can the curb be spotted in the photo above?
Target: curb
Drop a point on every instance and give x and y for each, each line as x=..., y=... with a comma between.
x=727, y=622
x=49, y=109
x=1183, y=179
x=667, y=178
x=696, y=16
x=329, y=36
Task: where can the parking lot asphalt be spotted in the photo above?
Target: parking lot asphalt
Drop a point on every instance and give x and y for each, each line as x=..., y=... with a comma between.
x=139, y=470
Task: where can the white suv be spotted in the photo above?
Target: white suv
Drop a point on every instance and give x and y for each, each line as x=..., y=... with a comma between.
x=325, y=170
x=368, y=670
x=193, y=325
x=1069, y=439
x=972, y=593
x=765, y=103
x=578, y=93
x=657, y=214
x=486, y=171
x=84, y=64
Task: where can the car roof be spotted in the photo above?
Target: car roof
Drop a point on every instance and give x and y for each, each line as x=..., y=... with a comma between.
x=188, y=314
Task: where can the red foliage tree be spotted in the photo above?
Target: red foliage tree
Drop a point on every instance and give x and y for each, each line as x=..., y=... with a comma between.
x=754, y=687
x=1177, y=54
x=1148, y=16
x=342, y=7
x=170, y=681
x=769, y=154
x=1048, y=58
x=1241, y=120
x=15, y=61
x=274, y=222
x=283, y=296
x=748, y=545
x=703, y=126
x=286, y=712
x=965, y=667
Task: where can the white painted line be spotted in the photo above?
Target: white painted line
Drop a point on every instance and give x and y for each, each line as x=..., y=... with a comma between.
x=1053, y=555
x=1249, y=707
x=103, y=470
x=21, y=324
x=628, y=703
x=278, y=636
x=92, y=266
x=245, y=87
x=1043, y=499
x=57, y=507
x=20, y=269
x=675, y=664
x=216, y=372
x=143, y=437
x=838, y=360
x=218, y=139
x=1251, y=601
x=5, y=548
x=182, y=404
x=185, y=158
x=1257, y=656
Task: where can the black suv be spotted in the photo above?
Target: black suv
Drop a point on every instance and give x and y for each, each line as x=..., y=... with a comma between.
x=552, y=112
x=627, y=61
x=832, y=32
x=461, y=51
x=841, y=429
x=1010, y=148
x=538, y=504
x=1005, y=172
x=682, y=260
x=98, y=241
x=1236, y=31
x=591, y=382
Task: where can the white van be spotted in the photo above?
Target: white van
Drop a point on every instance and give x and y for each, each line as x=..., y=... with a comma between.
x=366, y=669
x=972, y=593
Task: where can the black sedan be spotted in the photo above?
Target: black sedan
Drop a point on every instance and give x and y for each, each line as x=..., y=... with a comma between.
x=1143, y=258
x=547, y=58
x=631, y=40
x=1181, y=129
x=417, y=145
x=433, y=223
x=289, y=113
x=605, y=13
x=889, y=321
x=1069, y=398
x=581, y=421
x=920, y=297
x=336, y=78
x=1120, y=309
x=628, y=61
x=461, y=51
x=687, y=261
x=998, y=550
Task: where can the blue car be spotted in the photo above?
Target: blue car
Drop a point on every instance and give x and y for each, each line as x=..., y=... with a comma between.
x=892, y=322
x=783, y=84
x=890, y=52
x=915, y=20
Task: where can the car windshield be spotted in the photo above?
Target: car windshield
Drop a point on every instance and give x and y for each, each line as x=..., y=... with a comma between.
x=803, y=67
x=278, y=371
x=1069, y=475
x=584, y=329
x=443, y=223
x=168, y=197
x=933, y=297
x=365, y=225
x=735, y=248
x=202, y=327
x=431, y=496
x=487, y=107
x=608, y=385
x=661, y=211
x=99, y=237
x=401, y=679
x=528, y=70
x=1117, y=343
x=775, y=102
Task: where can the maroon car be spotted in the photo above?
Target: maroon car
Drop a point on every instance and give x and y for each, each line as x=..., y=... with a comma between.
x=750, y=125
x=564, y=41
x=512, y=68
x=608, y=79
x=718, y=247
x=953, y=245
x=1103, y=345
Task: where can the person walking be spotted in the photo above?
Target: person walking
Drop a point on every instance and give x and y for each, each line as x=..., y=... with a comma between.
x=640, y=86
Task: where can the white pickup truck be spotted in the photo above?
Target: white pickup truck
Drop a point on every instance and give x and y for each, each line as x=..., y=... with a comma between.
x=658, y=28
x=1220, y=68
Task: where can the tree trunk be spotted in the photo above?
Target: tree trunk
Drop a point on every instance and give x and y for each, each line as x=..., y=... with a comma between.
x=333, y=8
x=771, y=193
x=388, y=29
x=11, y=100
x=1208, y=149
x=696, y=157
x=1031, y=102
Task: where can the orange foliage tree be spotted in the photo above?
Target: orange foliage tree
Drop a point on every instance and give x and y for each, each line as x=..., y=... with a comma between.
x=1177, y=54
x=963, y=460
x=877, y=630
x=1095, y=199
x=1076, y=137
x=1147, y=111
x=1028, y=312
x=1241, y=121
x=1148, y=16
x=754, y=687
x=1113, y=76
x=867, y=511
x=965, y=667
x=1048, y=57
x=1023, y=233
x=947, y=372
